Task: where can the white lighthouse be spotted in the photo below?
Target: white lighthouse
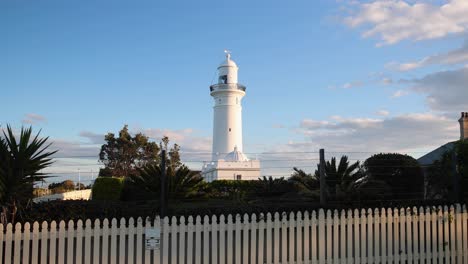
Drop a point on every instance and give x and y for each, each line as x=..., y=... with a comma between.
x=228, y=160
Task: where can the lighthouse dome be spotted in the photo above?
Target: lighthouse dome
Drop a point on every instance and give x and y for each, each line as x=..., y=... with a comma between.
x=227, y=62
x=236, y=155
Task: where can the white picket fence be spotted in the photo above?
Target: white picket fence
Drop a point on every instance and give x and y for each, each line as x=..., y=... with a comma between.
x=411, y=235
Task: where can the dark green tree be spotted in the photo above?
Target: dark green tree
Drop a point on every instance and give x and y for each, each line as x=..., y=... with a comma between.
x=126, y=154
x=402, y=173
x=21, y=162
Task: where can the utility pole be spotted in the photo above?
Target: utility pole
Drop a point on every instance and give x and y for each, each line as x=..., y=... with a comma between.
x=163, y=201
x=323, y=184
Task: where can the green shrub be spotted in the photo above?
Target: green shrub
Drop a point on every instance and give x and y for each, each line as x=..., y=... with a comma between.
x=107, y=188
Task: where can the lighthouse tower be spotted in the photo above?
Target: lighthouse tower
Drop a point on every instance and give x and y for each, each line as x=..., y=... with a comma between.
x=228, y=160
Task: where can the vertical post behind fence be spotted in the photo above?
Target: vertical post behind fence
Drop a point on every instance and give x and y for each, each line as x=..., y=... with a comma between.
x=323, y=184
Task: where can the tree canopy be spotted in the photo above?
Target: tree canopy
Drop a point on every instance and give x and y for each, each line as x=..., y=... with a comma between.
x=402, y=174
x=126, y=154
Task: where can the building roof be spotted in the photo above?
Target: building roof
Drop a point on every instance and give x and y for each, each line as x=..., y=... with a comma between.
x=436, y=154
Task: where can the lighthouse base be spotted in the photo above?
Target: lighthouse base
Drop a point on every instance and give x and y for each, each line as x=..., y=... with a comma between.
x=231, y=170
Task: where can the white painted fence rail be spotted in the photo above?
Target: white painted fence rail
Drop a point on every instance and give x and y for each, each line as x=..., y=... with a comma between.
x=411, y=235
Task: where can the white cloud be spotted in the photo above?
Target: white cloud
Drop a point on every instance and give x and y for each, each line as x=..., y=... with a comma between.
x=33, y=119
x=94, y=138
x=400, y=133
x=395, y=20
x=457, y=56
x=445, y=91
x=383, y=113
x=352, y=84
x=399, y=93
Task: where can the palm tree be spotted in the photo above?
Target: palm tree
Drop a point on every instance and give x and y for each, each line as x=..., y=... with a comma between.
x=340, y=179
x=304, y=181
x=182, y=182
x=269, y=186
x=20, y=164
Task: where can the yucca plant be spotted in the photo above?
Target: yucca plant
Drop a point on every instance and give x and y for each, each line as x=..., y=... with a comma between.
x=21, y=162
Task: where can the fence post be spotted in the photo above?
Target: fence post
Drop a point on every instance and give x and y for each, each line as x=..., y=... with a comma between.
x=163, y=185
x=323, y=184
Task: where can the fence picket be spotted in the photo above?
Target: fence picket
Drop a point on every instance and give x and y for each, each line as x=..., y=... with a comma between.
x=214, y=239
x=182, y=237
x=299, y=238
x=114, y=232
x=88, y=233
x=97, y=241
x=44, y=237
x=157, y=256
x=409, y=232
x=61, y=243
x=173, y=235
x=464, y=231
x=370, y=238
x=8, y=243
x=105, y=241
x=2, y=239
x=321, y=236
x=237, y=239
x=222, y=240
x=420, y=225
x=269, y=240
x=306, y=237
x=131, y=241
x=190, y=230
x=53, y=242
x=284, y=238
x=35, y=243
x=452, y=220
x=230, y=248
x=396, y=235
x=79, y=241
x=276, y=238
x=254, y=248
x=139, y=241
x=377, y=233
x=362, y=225
x=206, y=239
x=17, y=244
x=390, y=236
x=357, y=240
x=434, y=227
x=446, y=247
x=261, y=241
x=314, y=237
x=336, y=236
x=165, y=241
x=383, y=235
x=458, y=235
x=291, y=240
x=198, y=248
x=440, y=234
x=427, y=230
x=329, y=236
x=122, y=234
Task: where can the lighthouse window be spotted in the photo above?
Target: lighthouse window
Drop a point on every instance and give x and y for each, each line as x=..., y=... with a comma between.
x=229, y=129
x=238, y=177
x=223, y=79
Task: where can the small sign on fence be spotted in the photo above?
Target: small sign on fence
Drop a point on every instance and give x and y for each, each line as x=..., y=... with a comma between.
x=152, y=238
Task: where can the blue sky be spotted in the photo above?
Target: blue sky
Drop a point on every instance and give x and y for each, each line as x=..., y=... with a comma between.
x=344, y=75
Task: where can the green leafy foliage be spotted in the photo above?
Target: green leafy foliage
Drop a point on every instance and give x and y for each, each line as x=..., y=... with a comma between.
x=21, y=161
x=107, y=188
x=181, y=182
x=61, y=187
x=401, y=173
x=125, y=155
x=304, y=182
x=273, y=187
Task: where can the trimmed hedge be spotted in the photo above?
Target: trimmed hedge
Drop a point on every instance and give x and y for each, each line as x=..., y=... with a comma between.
x=107, y=188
